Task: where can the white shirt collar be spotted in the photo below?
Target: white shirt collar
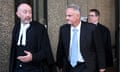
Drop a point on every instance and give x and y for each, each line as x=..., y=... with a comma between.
x=77, y=27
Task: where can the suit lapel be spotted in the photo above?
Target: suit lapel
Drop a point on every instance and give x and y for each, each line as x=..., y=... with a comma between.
x=82, y=36
x=67, y=39
x=30, y=33
x=17, y=31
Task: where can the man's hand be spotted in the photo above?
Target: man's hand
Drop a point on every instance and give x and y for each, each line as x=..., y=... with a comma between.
x=102, y=70
x=26, y=58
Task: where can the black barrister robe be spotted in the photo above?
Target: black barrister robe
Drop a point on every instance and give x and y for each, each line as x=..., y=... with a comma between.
x=37, y=42
x=107, y=43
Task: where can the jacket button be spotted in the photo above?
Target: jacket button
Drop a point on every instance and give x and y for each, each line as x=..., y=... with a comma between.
x=20, y=65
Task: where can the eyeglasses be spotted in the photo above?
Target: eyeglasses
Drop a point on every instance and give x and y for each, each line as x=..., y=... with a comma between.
x=91, y=15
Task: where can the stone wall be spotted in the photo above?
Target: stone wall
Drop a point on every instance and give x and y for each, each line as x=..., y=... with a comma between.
x=56, y=10
x=6, y=25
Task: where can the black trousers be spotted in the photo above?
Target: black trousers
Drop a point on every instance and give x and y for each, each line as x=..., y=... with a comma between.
x=80, y=67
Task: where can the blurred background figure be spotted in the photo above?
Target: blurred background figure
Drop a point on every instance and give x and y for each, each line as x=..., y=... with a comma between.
x=93, y=17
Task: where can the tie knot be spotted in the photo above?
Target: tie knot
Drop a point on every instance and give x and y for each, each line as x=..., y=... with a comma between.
x=75, y=30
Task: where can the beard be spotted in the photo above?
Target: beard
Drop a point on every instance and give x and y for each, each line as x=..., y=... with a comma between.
x=26, y=21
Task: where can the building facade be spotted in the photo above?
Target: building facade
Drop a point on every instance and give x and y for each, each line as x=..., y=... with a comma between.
x=52, y=14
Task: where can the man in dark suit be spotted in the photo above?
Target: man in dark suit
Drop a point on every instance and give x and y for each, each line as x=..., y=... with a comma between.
x=93, y=17
x=80, y=47
x=30, y=51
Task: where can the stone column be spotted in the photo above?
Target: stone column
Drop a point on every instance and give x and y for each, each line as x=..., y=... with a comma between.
x=56, y=17
x=6, y=25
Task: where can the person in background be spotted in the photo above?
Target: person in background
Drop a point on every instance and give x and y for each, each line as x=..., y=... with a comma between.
x=93, y=17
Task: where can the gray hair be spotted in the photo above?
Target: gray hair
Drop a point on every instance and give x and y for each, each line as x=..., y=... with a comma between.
x=74, y=6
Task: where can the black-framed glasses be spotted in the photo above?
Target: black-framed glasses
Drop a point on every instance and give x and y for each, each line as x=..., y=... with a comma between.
x=91, y=15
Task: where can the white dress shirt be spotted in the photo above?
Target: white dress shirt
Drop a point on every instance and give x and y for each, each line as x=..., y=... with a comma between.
x=80, y=57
